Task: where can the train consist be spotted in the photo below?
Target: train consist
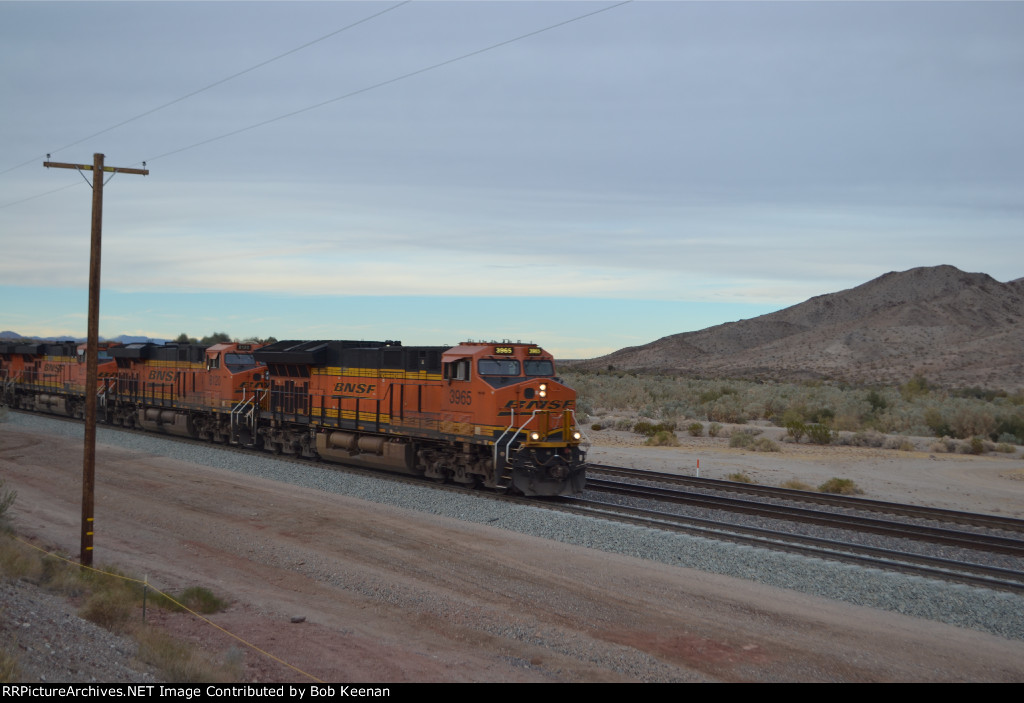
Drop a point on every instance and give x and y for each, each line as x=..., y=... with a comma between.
x=488, y=414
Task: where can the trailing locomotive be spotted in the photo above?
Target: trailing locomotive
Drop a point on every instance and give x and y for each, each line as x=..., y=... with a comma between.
x=488, y=414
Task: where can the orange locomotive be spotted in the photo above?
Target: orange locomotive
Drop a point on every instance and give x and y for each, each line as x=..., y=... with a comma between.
x=479, y=413
x=48, y=377
x=490, y=414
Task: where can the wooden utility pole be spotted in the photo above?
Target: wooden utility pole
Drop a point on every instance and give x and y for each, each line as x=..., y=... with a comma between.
x=92, y=347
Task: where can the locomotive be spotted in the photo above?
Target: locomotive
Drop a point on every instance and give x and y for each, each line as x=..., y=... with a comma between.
x=480, y=414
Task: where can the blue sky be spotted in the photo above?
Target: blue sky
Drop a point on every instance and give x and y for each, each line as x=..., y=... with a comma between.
x=654, y=168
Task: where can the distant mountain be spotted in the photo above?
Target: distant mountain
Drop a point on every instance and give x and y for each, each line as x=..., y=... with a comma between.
x=123, y=339
x=953, y=327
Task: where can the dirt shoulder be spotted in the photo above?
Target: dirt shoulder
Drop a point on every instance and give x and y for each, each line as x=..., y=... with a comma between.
x=392, y=595
x=991, y=483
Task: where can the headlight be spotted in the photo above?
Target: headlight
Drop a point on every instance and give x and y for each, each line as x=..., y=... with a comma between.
x=543, y=386
x=576, y=435
x=543, y=393
x=535, y=436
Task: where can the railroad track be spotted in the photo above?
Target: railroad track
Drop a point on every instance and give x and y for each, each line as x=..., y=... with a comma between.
x=955, y=546
x=989, y=554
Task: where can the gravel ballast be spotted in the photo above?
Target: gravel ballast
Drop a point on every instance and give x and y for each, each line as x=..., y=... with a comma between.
x=981, y=609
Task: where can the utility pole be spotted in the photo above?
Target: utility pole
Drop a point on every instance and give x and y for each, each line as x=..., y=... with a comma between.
x=92, y=347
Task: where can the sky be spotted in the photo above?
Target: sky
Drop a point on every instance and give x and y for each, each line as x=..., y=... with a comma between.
x=583, y=175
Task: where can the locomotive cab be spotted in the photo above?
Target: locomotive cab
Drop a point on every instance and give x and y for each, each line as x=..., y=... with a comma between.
x=522, y=410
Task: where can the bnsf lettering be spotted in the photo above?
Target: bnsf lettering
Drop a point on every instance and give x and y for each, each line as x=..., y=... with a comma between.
x=51, y=368
x=358, y=388
x=540, y=404
x=158, y=375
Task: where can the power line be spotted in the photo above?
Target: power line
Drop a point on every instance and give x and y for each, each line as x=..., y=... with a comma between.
x=208, y=87
x=381, y=84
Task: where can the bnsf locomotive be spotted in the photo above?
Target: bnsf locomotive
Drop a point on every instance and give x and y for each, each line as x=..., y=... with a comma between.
x=490, y=414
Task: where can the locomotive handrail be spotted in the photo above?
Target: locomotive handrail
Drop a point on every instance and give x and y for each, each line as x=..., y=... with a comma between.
x=239, y=414
x=513, y=437
x=584, y=435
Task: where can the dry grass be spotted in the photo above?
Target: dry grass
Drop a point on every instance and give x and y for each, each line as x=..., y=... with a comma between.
x=841, y=486
x=113, y=601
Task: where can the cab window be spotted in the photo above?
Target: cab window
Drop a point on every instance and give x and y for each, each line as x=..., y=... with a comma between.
x=539, y=367
x=498, y=367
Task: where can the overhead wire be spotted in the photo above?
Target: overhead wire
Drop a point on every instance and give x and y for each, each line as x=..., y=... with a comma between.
x=323, y=103
x=212, y=85
x=389, y=81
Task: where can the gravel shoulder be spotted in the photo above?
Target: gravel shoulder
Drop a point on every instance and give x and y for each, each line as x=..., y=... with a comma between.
x=390, y=593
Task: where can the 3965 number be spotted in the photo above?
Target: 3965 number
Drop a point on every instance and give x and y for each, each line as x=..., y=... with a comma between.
x=459, y=397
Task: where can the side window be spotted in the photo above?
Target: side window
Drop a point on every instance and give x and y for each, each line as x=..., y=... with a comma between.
x=457, y=370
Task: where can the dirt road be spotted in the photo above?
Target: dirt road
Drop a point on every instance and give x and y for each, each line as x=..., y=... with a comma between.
x=391, y=595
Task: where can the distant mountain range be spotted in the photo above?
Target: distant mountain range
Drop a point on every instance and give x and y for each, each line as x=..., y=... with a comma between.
x=954, y=328
x=7, y=335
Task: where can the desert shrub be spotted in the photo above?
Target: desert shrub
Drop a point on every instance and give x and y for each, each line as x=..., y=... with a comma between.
x=649, y=429
x=17, y=561
x=739, y=477
x=714, y=429
x=840, y=486
x=869, y=438
x=796, y=429
x=1008, y=426
x=969, y=422
x=936, y=423
x=876, y=401
x=1005, y=448
x=663, y=438
x=915, y=387
x=763, y=444
x=181, y=663
x=111, y=609
x=596, y=427
x=201, y=600
x=899, y=443
x=743, y=439
x=819, y=433
x=695, y=429
x=796, y=485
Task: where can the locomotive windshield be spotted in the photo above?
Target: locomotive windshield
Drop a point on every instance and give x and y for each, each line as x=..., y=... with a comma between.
x=539, y=367
x=498, y=367
x=239, y=362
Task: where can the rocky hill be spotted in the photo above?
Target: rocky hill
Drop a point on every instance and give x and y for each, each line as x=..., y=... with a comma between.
x=955, y=328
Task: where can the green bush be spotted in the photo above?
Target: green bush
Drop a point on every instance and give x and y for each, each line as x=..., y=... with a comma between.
x=796, y=429
x=695, y=429
x=714, y=429
x=820, y=434
x=649, y=429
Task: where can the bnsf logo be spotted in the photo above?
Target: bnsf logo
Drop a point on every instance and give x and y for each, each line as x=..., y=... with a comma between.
x=358, y=388
x=51, y=368
x=539, y=404
x=165, y=376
